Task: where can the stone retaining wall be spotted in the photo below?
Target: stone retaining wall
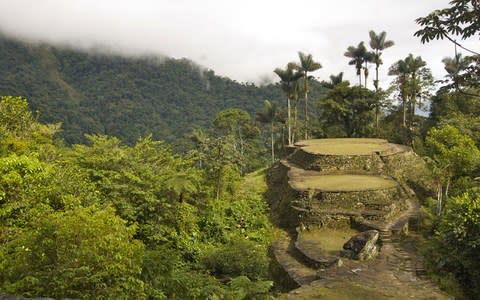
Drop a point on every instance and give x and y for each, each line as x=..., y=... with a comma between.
x=334, y=209
x=280, y=196
x=369, y=199
x=353, y=164
x=292, y=208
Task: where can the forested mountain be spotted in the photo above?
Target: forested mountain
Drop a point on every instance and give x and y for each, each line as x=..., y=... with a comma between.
x=118, y=96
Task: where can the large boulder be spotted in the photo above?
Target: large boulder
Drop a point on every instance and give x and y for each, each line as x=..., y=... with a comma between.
x=362, y=246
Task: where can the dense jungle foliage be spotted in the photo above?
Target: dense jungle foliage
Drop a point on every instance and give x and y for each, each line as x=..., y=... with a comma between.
x=99, y=207
x=111, y=221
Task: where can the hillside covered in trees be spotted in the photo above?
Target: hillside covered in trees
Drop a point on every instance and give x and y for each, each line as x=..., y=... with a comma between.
x=123, y=97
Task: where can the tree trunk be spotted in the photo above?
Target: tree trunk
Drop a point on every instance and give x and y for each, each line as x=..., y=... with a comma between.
x=414, y=97
x=365, y=74
x=414, y=100
x=306, y=106
x=289, y=121
x=272, y=142
x=404, y=100
x=219, y=182
x=295, y=117
x=219, y=173
x=377, y=98
x=439, y=197
x=241, y=140
x=447, y=188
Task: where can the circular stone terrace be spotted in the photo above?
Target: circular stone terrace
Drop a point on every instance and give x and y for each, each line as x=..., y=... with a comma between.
x=344, y=183
x=349, y=146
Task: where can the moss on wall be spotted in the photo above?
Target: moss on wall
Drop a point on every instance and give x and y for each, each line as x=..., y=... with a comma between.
x=353, y=164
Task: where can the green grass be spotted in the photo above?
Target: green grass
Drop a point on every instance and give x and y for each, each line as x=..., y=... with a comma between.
x=327, y=240
x=360, y=146
x=342, y=182
x=254, y=182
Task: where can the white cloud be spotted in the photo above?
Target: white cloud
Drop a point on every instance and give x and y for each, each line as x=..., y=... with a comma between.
x=243, y=39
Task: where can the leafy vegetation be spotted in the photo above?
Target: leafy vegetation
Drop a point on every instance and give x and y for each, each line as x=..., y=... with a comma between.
x=347, y=111
x=93, y=205
x=107, y=220
x=452, y=143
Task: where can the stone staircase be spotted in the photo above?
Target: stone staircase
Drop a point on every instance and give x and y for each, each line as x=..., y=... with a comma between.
x=303, y=196
x=292, y=262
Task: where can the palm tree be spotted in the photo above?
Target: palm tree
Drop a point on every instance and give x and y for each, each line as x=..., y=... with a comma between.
x=268, y=115
x=296, y=92
x=288, y=77
x=454, y=66
x=378, y=43
x=357, y=55
x=402, y=71
x=413, y=79
x=367, y=58
x=415, y=64
x=307, y=64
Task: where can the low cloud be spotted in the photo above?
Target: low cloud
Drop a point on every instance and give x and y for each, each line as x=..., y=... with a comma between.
x=244, y=40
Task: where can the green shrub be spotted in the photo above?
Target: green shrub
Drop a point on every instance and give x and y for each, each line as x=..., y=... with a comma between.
x=239, y=257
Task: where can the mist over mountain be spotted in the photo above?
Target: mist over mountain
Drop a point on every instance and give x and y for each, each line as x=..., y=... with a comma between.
x=118, y=96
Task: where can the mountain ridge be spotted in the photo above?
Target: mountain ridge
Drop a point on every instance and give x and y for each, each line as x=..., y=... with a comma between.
x=119, y=96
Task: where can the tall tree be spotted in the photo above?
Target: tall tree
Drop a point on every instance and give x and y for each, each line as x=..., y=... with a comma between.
x=414, y=80
x=378, y=43
x=307, y=64
x=400, y=69
x=268, y=115
x=297, y=91
x=357, y=55
x=420, y=78
x=288, y=76
x=235, y=121
x=347, y=111
x=367, y=58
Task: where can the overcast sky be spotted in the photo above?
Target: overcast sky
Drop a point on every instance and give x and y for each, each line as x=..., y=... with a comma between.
x=244, y=40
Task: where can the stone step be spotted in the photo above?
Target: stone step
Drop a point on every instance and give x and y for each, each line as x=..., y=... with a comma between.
x=284, y=253
x=385, y=237
x=421, y=273
x=310, y=244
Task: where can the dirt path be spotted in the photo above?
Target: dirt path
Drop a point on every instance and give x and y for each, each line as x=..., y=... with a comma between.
x=391, y=276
